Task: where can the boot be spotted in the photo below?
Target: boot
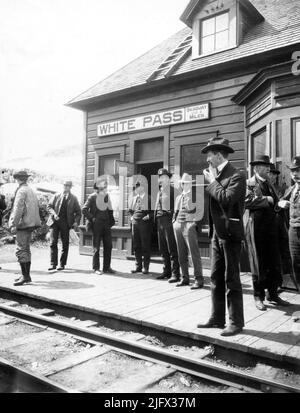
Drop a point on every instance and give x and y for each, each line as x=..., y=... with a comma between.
x=24, y=278
x=27, y=266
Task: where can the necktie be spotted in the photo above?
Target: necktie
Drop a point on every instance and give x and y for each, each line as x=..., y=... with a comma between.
x=296, y=195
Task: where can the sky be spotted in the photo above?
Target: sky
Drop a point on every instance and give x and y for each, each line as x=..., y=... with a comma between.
x=52, y=50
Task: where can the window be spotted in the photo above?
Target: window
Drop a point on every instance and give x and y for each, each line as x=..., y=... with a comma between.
x=107, y=166
x=260, y=144
x=296, y=137
x=215, y=33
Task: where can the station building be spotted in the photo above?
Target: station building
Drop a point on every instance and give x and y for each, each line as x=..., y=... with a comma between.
x=232, y=72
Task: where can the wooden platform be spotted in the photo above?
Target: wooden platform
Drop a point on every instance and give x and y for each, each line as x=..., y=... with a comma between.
x=144, y=300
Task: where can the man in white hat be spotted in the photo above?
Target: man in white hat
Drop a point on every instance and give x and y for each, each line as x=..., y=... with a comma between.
x=185, y=227
x=23, y=220
x=64, y=214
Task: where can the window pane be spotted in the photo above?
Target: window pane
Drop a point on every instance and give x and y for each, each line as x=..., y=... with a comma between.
x=107, y=167
x=260, y=144
x=208, y=27
x=278, y=138
x=222, y=40
x=297, y=138
x=222, y=22
x=208, y=44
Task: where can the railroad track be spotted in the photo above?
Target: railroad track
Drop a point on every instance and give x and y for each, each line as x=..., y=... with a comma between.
x=195, y=367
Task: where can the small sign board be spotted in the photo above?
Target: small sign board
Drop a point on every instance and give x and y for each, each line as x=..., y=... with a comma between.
x=124, y=168
x=155, y=120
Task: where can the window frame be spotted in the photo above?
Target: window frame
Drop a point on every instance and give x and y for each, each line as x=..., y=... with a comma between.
x=293, y=135
x=214, y=34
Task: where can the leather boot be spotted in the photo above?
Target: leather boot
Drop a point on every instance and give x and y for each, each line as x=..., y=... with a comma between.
x=24, y=278
x=27, y=266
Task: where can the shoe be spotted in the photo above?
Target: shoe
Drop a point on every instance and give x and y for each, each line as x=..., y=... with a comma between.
x=211, y=324
x=109, y=271
x=174, y=279
x=260, y=305
x=197, y=286
x=279, y=301
x=61, y=268
x=145, y=271
x=231, y=331
x=22, y=281
x=136, y=271
x=53, y=268
x=163, y=277
x=98, y=272
x=183, y=283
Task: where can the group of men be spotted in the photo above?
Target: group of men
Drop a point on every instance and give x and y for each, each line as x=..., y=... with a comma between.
x=241, y=213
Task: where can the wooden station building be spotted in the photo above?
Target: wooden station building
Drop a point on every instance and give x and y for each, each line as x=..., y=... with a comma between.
x=231, y=72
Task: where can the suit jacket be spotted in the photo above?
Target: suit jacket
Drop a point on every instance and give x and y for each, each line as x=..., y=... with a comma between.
x=73, y=209
x=227, y=203
x=169, y=208
x=146, y=206
x=90, y=209
x=191, y=211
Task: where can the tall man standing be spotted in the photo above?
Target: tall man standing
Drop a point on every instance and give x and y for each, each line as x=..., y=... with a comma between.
x=99, y=213
x=227, y=189
x=262, y=234
x=24, y=218
x=291, y=200
x=64, y=214
x=164, y=210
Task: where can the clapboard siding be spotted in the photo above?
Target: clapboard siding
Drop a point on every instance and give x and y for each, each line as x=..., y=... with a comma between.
x=287, y=86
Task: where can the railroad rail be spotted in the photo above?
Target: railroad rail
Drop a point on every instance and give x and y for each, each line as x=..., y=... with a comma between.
x=200, y=368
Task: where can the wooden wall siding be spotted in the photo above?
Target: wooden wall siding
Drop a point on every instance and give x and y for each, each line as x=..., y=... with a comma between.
x=226, y=117
x=259, y=106
x=287, y=92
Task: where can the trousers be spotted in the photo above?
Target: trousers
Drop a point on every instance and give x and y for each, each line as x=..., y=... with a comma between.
x=141, y=237
x=102, y=232
x=168, y=247
x=226, y=282
x=187, y=243
x=61, y=229
x=294, y=237
x=23, y=239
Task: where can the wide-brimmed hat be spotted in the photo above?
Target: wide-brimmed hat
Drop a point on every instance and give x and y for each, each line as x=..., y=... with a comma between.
x=164, y=171
x=21, y=174
x=261, y=160
x=218, y=144
x=273, y=170
x=186, y=179
x=295, y=164
x=68, y=183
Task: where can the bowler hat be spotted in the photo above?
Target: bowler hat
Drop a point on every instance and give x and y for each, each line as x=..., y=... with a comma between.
x=295, y=164
x=216, y=144
x=164, y=171
x=261, y=160
x=68, y=183
x=273, y=170
x=21, y=174
x=186, y=179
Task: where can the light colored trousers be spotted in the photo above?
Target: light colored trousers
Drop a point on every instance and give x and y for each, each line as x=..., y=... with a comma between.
x=187, y=244
x=23, y=239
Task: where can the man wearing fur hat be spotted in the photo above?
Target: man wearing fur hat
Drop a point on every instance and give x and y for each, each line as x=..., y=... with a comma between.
x=185, y=228
x=24, y=218
x=262, y=234
x=64, y=214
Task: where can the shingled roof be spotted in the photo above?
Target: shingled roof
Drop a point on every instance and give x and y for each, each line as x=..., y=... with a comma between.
x=279, y=29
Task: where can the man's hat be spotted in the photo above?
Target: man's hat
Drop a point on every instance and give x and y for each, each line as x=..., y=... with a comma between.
x=21, y=174
x=295, y=164
x=273, y=170
x=215, y=144
x=186, y=179
x=164, y=171
x=68, y=183
x=261, y=160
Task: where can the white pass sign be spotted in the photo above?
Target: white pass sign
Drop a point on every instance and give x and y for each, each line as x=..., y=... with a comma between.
x=155, y=120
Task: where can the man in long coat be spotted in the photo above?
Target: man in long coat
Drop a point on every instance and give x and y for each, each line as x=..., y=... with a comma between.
x=262, y=235
x=24, y=218
x=226, y=189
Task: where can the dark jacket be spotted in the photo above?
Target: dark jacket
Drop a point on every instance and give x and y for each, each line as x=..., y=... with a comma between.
x=146, y=206
x=257, y=207
x=73, y=209
x=169, y=204
x=227, y=203
x=2, y=207
x=90, y=210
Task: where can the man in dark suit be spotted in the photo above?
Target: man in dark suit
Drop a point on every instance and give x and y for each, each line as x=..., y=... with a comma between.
x=99, y=213
x=227, y=189
x=64, y=214
x=262, y=234
x=164, y=210
x=141, y=218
